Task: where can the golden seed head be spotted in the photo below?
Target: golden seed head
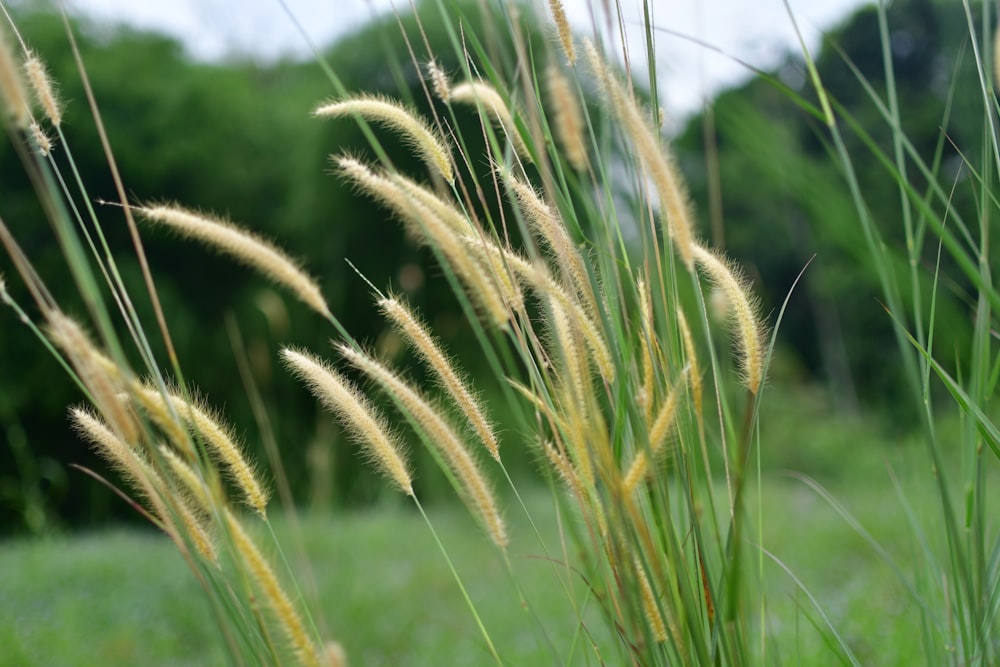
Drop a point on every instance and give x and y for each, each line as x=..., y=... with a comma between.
x=440, y=435
x=243, y=246
x=355, y=412
x=657, y=162
x=562, y=27
x=13, y=91
x=742, y=308
x=428, y=348
x=395, y=116
x=43, y=88
x=439, y=81
x=567, y=119
x=489, y=100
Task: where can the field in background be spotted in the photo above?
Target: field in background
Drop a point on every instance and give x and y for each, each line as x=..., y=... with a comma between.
x=126, y=597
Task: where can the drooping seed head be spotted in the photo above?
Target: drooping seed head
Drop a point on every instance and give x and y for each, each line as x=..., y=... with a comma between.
x=396, y=117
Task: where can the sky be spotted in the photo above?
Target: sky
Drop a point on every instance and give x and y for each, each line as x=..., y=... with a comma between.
x=758, y=32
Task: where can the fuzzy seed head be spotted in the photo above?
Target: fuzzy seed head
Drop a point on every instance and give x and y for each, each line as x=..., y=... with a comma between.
x=439, y=81
x=395, y=116
x=567, y=119
x=656, y=161
x=364, y=424
x=243, y=246
x=441, y=436
x=411, y=328
x=742, y=308
x=13, y=91
x=562, y=27
x=43, y=88
x=264, y=578
x=489, y=101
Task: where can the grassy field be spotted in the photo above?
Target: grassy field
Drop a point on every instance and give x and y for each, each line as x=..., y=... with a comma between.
x=126, y=597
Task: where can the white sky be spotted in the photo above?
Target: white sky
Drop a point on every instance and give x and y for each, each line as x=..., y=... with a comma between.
x=756, y=31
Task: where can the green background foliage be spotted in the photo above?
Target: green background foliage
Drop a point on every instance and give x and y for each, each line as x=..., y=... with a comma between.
x=235, y=138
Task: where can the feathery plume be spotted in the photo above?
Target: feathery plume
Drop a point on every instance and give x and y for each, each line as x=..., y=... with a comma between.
x=439, y=80
x=551, y=231
x=43, y=88
x=140, y=474
x=653, y=616
x=427, y=347
x=395, y=116
x=489, y=100
x=43, y=142
x=658, y=164
x=355, y=412
x=562, y=26
x=429, y=228
x=13, y=92
x=440, y=435
x=96, y=372
x=657, y=437
x=243, y=246
x=274, y=595
x=566, y=118
x=742, y=313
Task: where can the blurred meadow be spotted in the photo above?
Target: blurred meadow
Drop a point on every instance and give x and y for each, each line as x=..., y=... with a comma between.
x=869, y=529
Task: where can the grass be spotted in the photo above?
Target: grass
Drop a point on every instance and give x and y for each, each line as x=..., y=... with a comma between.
x=127, y=597
x=606, y=349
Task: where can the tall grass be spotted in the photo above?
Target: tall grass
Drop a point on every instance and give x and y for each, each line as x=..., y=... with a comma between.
x=577, y=260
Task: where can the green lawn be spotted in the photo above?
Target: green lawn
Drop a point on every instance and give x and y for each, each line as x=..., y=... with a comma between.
x=126, y=597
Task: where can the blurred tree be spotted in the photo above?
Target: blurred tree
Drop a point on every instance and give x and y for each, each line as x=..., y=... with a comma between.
x=785, y=198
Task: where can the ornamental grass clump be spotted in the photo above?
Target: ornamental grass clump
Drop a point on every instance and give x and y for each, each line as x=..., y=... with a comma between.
x=597, y=340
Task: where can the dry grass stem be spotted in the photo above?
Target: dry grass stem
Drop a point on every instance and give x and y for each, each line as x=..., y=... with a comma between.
x=441, y=436
x=457, y=387
x=397, y=117
x=244, y=247
x=274, y=595
x=356, y=413
x=743, y=314
x=489, y=100
x=658, y=164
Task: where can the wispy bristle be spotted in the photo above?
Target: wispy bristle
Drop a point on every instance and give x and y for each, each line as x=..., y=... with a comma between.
x=441, y=436
x=44, y=89
x=13, y=91
x=743, y=314
x=490, y=101
x=427, y=347
x=273, y=594
x=567, y=119
x=397, y=117
x=243, y=246
x=355, y=412
x=657, y=162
